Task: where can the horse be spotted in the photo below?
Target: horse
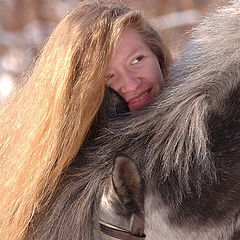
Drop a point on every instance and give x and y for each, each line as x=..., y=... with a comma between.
x=171, y=171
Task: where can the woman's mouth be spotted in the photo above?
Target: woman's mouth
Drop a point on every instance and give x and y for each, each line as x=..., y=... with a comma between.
x=140, y=102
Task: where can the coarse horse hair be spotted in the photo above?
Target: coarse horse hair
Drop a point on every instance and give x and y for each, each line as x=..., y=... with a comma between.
x=186, y=145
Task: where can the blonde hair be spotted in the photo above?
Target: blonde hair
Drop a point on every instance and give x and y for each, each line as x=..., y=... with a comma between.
x=46, y=120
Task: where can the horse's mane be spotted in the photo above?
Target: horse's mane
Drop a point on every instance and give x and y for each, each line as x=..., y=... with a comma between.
x=169, y=140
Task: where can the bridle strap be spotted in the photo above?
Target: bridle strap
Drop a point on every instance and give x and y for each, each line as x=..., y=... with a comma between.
x=136, y=233
x=137, y=225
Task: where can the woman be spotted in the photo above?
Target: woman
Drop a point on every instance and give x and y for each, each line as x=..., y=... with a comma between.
x=135, y=71
x=47, y=119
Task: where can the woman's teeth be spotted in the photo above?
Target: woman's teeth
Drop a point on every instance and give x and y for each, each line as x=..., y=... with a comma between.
x=140, y=98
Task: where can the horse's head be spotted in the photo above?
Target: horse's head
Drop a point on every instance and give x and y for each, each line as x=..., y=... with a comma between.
x=122, y=203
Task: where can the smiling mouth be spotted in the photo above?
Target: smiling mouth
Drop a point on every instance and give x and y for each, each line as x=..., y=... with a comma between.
x=140, y=102
x=142, y=97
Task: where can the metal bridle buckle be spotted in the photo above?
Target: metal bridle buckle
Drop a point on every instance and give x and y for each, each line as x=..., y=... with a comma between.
x=136, y=232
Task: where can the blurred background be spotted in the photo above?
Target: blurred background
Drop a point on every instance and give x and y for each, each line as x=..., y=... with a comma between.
x=24, y=24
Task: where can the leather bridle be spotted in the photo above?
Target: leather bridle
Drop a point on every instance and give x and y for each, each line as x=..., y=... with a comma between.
x=136, y=229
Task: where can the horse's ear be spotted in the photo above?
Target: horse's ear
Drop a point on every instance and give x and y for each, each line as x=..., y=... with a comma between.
x=128, y=185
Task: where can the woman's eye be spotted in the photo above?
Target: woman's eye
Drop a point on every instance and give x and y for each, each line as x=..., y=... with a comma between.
x=109, y=77
x=137, y=59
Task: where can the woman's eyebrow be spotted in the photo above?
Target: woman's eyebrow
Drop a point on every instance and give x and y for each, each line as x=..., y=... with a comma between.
x=135, y=51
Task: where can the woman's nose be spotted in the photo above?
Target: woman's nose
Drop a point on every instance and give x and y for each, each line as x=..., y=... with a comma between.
x=129, y=83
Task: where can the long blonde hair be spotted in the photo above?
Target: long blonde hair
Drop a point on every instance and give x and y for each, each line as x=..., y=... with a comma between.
x=46, y=120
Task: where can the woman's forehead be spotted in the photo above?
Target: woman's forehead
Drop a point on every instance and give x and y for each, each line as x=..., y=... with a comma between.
x=129, y=42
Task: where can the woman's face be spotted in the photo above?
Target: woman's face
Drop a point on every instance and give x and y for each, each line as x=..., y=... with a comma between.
x=134, y=71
